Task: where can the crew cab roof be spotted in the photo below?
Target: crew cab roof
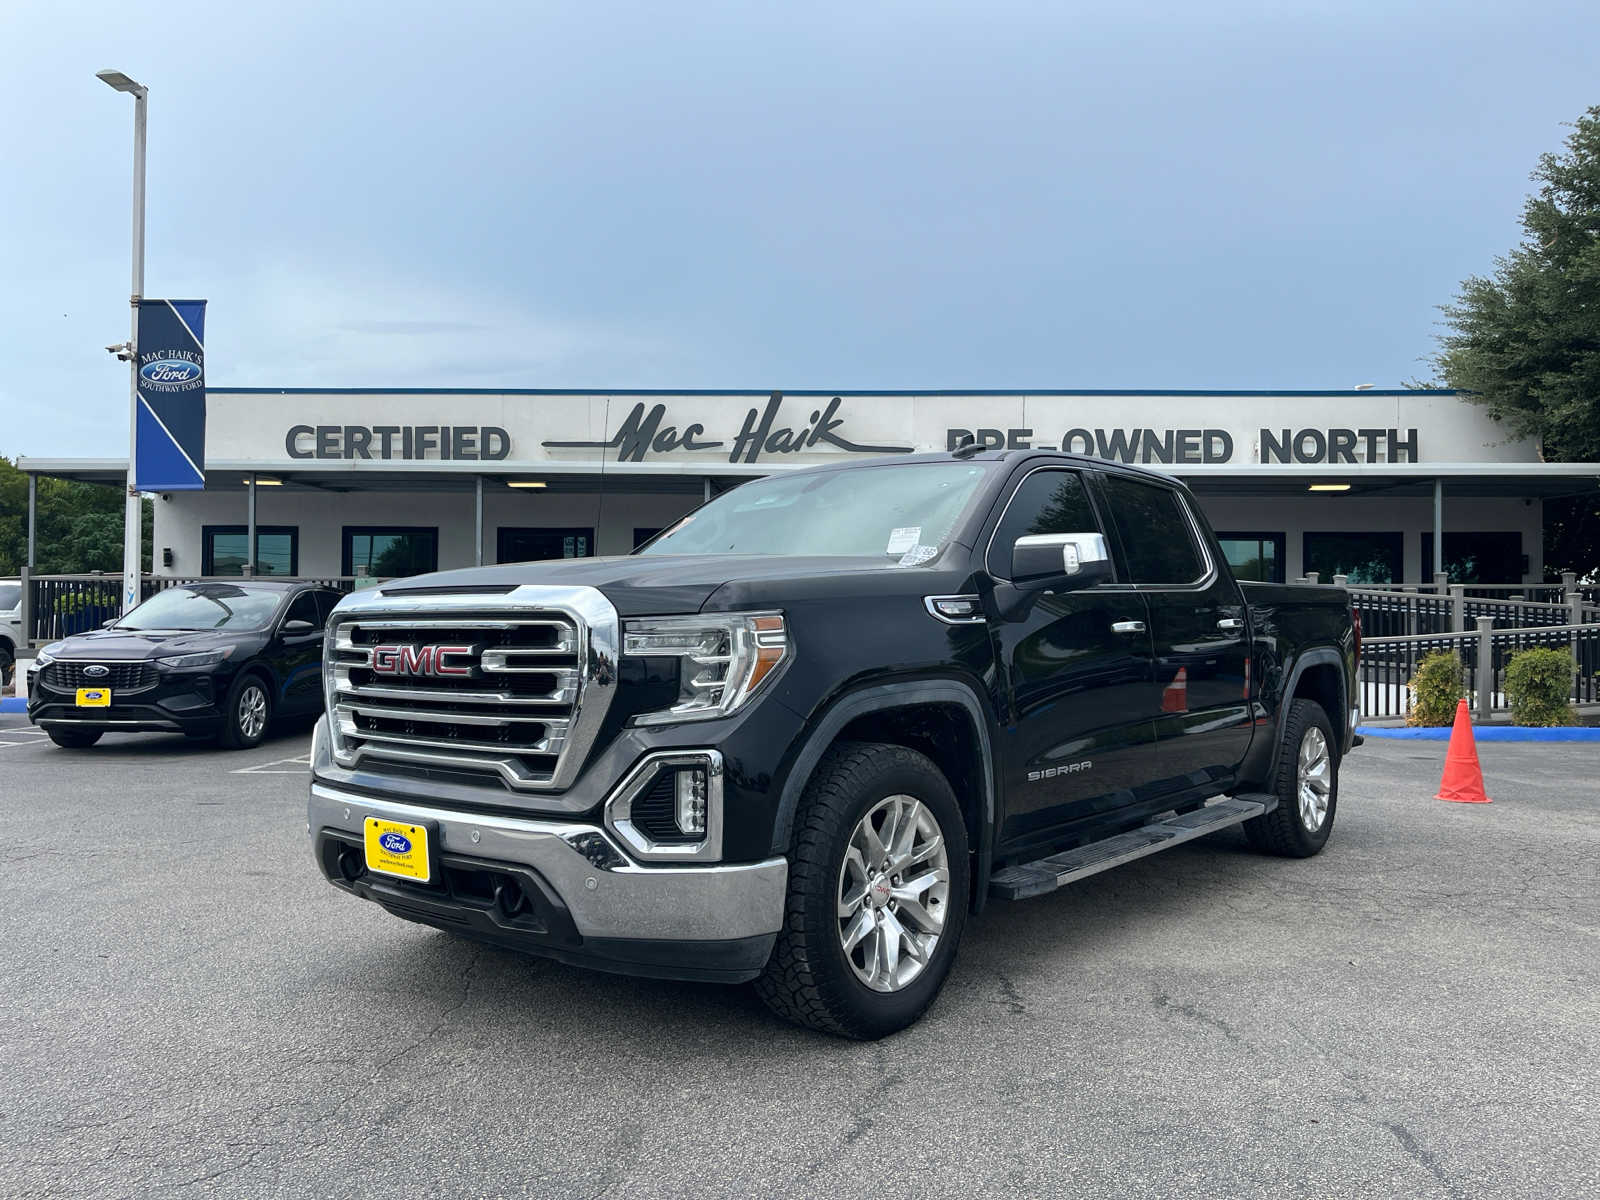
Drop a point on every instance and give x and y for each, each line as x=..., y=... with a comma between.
x=1000, y=455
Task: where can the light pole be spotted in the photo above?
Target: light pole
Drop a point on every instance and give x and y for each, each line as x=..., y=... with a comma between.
x=133, y=517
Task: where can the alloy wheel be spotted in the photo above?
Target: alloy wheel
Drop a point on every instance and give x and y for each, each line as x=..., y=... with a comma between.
x=894, y=893
x=252, y=712
x=1314, y=779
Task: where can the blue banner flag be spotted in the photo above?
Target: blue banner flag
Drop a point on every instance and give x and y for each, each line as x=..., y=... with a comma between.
x=171, y=453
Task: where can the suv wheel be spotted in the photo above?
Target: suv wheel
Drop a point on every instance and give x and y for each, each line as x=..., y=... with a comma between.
x=74, y=739
x=247, y=713
x=877, y=894
x=8, y=664
x=1307, y=786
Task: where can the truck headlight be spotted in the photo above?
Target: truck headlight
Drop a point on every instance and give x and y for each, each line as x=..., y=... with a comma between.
x=723, y=659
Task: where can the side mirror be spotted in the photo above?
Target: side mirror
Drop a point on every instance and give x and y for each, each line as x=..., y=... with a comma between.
x=1060, y=561
x=298, y=626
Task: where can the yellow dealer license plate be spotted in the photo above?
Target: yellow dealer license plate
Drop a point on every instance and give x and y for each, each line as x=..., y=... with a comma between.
x=396, y=848
x=94, y=697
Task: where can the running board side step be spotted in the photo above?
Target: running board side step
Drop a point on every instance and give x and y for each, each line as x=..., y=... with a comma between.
x=1026, y=880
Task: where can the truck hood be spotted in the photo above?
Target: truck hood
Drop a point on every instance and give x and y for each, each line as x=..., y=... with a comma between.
x=131, y=645
x=653, y=584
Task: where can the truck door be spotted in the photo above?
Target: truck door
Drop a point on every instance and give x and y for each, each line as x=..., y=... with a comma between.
x=1077, y=678
x=1198, y=625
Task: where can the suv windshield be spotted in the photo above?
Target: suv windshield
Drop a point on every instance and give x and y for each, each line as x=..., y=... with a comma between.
x=902, y=514
x=206, y=606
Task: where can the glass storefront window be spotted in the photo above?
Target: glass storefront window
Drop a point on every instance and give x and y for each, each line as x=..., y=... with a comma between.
x=390, y=552
x=534, y=545
x=222, y=549
x=1364, y=557
x=1477, y=556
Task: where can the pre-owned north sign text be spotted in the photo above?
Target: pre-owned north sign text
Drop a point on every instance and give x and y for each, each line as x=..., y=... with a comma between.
x=1207, y=445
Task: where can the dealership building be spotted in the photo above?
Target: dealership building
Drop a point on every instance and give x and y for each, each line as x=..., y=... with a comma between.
x=377, y=482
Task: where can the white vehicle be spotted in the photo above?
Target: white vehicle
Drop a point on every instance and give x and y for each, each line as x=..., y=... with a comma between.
x=10, y=627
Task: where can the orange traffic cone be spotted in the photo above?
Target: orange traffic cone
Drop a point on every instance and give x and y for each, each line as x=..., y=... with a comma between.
x=1463, y=778
x=1175, y=696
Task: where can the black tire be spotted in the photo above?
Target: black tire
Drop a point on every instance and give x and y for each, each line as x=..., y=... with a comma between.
x=242, y=728
x=8, y=664
x=1285, y=830
x=74, y=739
x=809, y=980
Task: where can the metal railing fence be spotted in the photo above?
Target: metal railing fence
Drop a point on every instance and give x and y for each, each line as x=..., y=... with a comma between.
x=1389, y=663
x=58, y=606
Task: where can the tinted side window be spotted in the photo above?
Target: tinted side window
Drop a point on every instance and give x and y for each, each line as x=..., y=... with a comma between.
x=304, y=608
x=1156, y=535
x=1047, y=502
x=325, y=603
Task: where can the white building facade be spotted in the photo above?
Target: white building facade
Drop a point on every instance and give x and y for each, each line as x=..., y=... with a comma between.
x=370, y=483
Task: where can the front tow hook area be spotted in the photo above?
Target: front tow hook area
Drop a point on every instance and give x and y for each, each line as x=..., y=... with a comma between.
x=509, y=899
x=351, y=865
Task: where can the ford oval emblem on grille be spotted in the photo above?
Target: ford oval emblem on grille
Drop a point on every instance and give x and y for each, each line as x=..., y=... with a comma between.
x=395, y=843
x=96, y=671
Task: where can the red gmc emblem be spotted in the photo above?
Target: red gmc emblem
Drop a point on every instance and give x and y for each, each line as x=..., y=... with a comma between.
x=422, y=660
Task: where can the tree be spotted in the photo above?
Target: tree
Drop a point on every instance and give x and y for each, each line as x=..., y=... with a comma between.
x=80, y=525
x=1525, y=342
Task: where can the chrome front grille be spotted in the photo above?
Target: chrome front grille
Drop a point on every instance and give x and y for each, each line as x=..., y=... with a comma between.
x=514, y=687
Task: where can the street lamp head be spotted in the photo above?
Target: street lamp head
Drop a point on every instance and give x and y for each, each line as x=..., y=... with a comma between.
x=120, y=81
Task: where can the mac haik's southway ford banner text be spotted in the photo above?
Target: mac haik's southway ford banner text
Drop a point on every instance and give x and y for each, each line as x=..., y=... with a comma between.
x=170, y=450
x=306, y=429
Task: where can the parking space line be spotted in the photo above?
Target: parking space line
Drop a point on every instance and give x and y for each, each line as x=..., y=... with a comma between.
x=295, y=766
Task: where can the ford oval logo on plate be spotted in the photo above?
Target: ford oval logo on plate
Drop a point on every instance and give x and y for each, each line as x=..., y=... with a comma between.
x=170, y=371
x=395, y=843
x=96, y=671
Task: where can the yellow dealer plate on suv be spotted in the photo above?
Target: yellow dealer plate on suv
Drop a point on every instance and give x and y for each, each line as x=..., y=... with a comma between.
x=396, y=848
x=94, y=697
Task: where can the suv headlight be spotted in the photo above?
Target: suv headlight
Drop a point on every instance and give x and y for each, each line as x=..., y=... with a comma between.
x=46, y=656
x=187, y=662
x=723, y=659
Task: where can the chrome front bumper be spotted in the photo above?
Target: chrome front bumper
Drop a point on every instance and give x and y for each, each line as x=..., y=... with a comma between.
x=682, y=921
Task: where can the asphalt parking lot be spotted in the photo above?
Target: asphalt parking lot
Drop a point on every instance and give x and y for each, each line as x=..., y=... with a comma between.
x=189, y=1010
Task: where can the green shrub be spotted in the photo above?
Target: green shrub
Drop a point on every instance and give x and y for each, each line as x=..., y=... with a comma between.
x=67, y=603
x=1539, y=686
x=1435, y=688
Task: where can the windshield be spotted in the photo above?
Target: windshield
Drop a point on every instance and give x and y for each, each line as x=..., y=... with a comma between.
x=205, y=606
x=901, y=514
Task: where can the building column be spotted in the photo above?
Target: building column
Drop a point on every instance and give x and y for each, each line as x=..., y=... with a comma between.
x=1438, y=525
x=250, y=529
x=477, y=521
x=33, y=518
x=27, y=572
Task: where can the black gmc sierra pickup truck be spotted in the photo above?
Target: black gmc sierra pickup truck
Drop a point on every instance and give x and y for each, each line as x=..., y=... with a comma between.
x=802, y=733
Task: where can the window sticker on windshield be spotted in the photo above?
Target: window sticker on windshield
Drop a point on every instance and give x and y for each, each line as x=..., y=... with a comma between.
x=903, y=539
x=918, y=554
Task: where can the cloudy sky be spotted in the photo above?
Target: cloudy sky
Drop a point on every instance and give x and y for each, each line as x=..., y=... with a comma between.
x=842, y=195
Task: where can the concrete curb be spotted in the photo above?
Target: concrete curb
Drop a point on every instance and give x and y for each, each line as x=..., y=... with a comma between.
x=1485, y=733
x=13, y=704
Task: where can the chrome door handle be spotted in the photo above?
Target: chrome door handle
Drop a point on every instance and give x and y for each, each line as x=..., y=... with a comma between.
x=1230, y=624
x=1127, y=627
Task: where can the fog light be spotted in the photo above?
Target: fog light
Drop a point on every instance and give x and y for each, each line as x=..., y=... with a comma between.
x=691, y=794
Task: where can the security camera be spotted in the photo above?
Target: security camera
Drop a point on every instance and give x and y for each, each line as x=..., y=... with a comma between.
x=123, y=350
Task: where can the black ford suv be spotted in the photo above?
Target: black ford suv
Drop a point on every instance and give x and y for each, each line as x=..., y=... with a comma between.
x=804, y=732
x=214, y=659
